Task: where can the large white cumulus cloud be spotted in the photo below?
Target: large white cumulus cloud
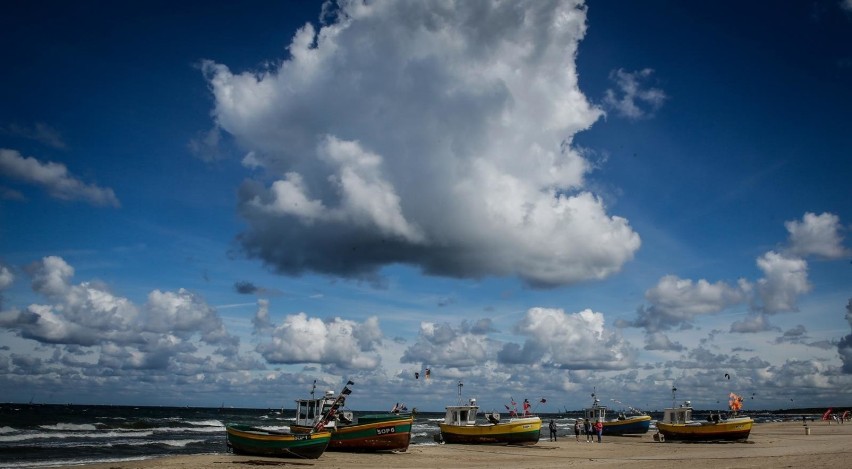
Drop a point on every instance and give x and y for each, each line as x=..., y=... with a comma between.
x=573, y=341
x=442, y=343
x=819, y=235
x=302, y=339
x=436, y=134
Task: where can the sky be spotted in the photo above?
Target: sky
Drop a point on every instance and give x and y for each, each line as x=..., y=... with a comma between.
x=211, y=203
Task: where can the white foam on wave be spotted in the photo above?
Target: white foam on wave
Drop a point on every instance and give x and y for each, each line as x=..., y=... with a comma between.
x=43, y=436
x=162, y=430
x=175, y=443
x=4, y=430
x=428, y=443
x=274, y=428
x=75, y=462
x=69, y=427
x=206, y=423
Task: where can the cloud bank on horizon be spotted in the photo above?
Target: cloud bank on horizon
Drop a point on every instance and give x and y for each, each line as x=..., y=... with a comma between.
x=676, y=302
x=431, y=134
x=101, y=339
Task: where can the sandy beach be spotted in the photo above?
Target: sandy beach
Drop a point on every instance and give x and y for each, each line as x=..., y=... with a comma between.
x=770, y=445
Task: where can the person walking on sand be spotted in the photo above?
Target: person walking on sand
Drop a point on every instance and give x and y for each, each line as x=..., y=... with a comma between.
x=552, y=430
x=577, y=429
x=587, y=428
x=599, y=429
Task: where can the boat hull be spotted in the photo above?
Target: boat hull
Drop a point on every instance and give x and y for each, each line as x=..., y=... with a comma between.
x=371, y=433
x=636, y=425
x=244, y=439
x=730, y=430
x=515, y=432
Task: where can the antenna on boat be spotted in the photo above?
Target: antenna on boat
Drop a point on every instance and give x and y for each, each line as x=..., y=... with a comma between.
x=460, y=385
x=313, y=389
x=632, y=409
x=674, y=396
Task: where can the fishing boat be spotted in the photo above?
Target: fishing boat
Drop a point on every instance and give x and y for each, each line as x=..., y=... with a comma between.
x=678, y=425
x=623, y=424
x=460, y=426
x=365, y=433
x=308, y=444
x=248, y=440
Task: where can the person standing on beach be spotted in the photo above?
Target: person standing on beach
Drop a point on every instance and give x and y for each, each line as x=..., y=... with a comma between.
x=552, y=430
x=599, y=429
x=577, y=429
x=587, y=428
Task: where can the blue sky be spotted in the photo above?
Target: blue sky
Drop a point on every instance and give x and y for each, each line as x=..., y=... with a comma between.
x=207, y=204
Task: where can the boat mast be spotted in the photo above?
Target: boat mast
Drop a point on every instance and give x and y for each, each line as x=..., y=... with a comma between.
x=460, y=389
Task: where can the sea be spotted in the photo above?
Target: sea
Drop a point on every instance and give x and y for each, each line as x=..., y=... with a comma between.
x=46, y=435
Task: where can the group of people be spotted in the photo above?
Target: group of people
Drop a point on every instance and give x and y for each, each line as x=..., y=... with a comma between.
x=585, y=426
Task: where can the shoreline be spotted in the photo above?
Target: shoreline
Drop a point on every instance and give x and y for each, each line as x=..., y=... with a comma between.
x=769, y=445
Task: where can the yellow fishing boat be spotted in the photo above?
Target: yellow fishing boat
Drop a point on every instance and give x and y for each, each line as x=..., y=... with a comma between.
x=460, y=426
x=678, y=425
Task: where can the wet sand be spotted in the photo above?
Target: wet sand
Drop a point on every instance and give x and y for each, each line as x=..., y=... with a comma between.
x=770, y=445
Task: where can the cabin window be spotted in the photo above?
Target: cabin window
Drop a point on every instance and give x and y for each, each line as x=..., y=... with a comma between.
x=463, y=416
x=682, y=416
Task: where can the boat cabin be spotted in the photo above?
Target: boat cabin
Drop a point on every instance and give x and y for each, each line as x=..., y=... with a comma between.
x=462, y=414
x=309, y=411
x=596, y=412
x=682, y=414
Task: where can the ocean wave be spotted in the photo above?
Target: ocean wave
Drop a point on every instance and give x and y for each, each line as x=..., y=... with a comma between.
x=53, y=435
x=72, y=462
x=425, y=443
x=4, y=430
x=70, y=427
x=274, y=428
x=172, y=443
x=206, y=423
x=91, y=447
x=220, y=428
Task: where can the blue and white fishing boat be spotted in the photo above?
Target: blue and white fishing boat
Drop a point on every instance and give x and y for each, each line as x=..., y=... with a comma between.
x=623, y=424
